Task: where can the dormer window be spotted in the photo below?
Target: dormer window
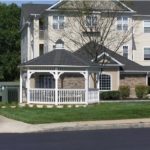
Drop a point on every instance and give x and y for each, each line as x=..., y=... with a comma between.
x=59, y=44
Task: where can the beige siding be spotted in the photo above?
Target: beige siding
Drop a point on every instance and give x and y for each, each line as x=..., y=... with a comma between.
x=141, y=40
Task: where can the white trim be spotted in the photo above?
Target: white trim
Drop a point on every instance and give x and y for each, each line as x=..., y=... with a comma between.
x=56, y=66
x=136, y=71
x=118, y=78
x=105, y=53
x=109, y=74
x=57, y=3
x=126, y=6
x=28, y=87
x=35, y=15
x=86, y=77
x=20, y=86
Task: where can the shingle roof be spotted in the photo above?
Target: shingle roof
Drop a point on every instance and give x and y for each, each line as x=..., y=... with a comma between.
x=28, y=9
x=59, y=57
x=140, y=6
x=128, y=64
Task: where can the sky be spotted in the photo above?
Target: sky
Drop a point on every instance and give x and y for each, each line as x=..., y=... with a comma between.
x=20, y=2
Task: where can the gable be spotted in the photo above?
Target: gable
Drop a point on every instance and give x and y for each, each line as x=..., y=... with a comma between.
x=96, y=5
x=108, y=60
x=113, y=58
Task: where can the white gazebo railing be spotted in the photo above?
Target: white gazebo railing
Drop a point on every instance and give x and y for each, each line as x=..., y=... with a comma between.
x=93, y=96
x=65, y=96
x=71, y=96
x=44, y=96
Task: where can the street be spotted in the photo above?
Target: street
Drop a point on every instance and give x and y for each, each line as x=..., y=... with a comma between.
x=121, y=139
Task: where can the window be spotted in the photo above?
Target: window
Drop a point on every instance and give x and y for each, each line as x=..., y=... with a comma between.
x=41, y=49
x=41, y=29
x=105, y=82
x=147, y=26
x=147, y=53
x=91, y=21
x=125, y=51
x=122, y=23
x=58, y=22
x=45, y=81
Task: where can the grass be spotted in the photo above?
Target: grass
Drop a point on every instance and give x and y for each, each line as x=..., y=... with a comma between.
x=105, y=111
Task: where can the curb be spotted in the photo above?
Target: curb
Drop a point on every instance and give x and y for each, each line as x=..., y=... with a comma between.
x=94, y=125
x=13, y=126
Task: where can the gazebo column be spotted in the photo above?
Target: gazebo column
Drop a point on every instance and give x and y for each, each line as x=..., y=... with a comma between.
x=98, y=80
x=20, y=85
x=28, y=85
x=86, y=76
x=98, y=83
x=56, y=76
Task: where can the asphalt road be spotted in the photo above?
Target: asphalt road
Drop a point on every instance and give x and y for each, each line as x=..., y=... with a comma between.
x=122, y=139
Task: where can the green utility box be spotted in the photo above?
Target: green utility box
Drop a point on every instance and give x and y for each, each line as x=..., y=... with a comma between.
x=9, y=91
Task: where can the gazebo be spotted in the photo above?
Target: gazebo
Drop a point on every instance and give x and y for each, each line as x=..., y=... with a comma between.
x=58, y=77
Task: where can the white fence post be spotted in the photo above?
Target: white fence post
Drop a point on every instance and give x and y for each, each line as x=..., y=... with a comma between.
x=86, y=87
x=20, y=86
x=56, y=87
x=28, y=87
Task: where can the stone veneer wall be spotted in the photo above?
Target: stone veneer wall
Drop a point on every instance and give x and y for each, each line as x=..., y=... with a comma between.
x=71, y=82
x=132, y=81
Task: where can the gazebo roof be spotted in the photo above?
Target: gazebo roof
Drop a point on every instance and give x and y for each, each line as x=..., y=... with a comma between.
x=58, y=57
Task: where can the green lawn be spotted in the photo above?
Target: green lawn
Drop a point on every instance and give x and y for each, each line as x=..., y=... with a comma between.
x=105, y=111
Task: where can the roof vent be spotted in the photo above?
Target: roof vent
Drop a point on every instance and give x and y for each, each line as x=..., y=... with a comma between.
x=59, y=44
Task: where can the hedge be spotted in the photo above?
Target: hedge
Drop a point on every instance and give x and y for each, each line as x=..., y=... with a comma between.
x=110, y=95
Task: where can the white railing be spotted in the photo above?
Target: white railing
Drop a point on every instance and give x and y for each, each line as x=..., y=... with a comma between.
x=44, y=96
x=65, y=96
x=71, y=96
x=93, y=96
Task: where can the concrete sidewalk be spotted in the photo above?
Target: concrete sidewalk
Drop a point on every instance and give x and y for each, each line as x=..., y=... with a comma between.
x=13, y=126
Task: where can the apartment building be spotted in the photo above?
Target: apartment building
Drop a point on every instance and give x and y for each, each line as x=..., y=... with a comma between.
x=57, y=66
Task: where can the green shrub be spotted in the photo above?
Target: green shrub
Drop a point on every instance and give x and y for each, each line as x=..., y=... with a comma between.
x=110, y=95
x=141, y=91
x=124, y=91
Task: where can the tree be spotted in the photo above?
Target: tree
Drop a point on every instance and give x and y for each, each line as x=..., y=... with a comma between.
x=95, y=22
x=9, y=42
